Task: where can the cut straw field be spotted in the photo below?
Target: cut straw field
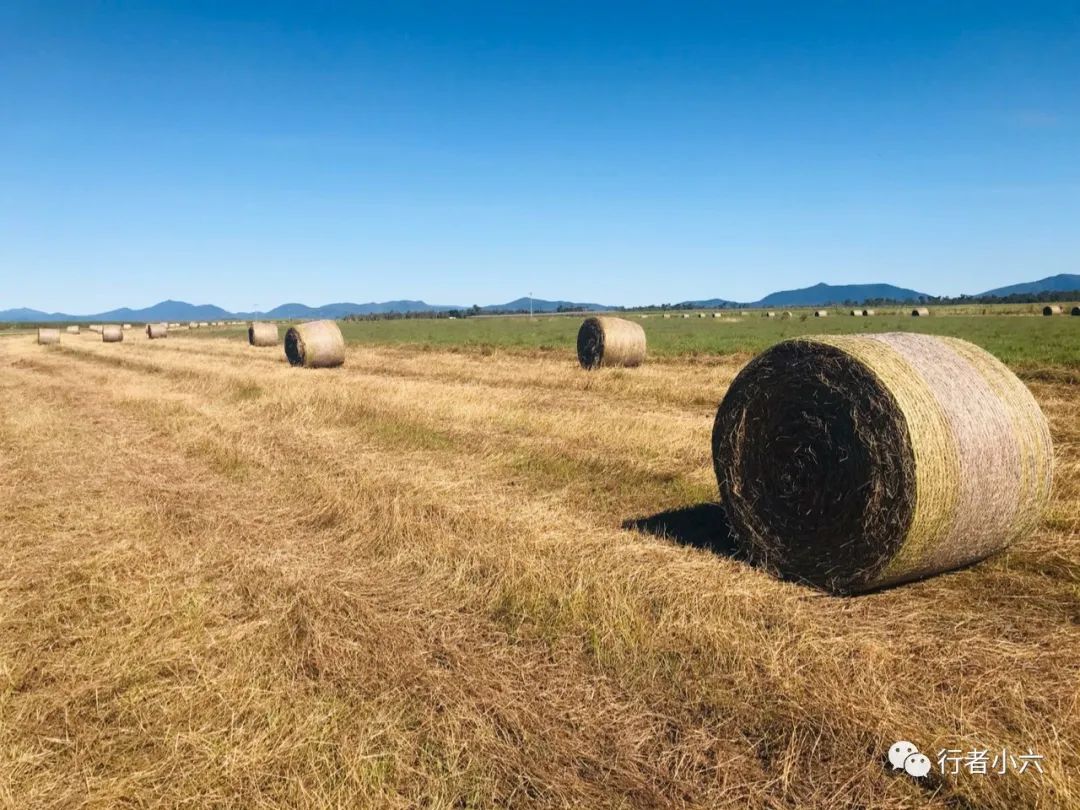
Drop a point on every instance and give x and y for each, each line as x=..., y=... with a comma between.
x=442, y=577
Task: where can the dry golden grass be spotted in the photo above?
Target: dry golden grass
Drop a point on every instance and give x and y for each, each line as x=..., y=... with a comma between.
x=407, y=583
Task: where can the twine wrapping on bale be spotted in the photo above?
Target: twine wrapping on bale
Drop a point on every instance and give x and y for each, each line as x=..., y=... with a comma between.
x=1052, y=309
x=921, y=312
x=853, y=462
x=112, y=334
x=73, y=330
x=821, y=313
x=46, y=336
x=262, y=334
x=156, y=331
x=317, y=344
x=605, y=341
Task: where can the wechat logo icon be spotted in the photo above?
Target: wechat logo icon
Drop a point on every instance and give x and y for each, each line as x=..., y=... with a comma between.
x=906, y=757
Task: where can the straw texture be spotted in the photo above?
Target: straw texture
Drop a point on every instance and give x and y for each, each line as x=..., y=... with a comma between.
x=317, y=344
x=1052, y=309
x=853, y=462
x=156, y=331
x=262, y=334
x=605, y=341
x=47, y=336
x=112, y=333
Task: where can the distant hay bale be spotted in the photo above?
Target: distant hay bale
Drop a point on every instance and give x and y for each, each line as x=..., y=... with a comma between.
x=1076, y=310
x=1052, y=309
x=96, y=327
x=127, y=326
x=686, y=314
x=604, y=341
x=73, y=330
x=193, y=325
x=701, y=314
x=203, y=324
x=156, y=331
x=868, y=312
x=262, y=334
x=717, y=315
x=48, y=336
x=853, y=462
x=112, y=334
x=768, y=314
x=920, y=312
x=667, y=314
x=856, y=313
x=821, y=313
x=316, y=344
x=785, y=314
x=745, y=314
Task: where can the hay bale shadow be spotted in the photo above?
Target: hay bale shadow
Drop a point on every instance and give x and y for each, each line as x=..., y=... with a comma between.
x=702, y=525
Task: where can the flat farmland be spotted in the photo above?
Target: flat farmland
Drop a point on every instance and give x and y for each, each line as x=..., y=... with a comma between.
x=462, y=572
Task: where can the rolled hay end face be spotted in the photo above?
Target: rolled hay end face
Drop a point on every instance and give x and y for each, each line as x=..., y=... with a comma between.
x=604, y=341
x=854, y=462
x=317, y=344
x=262, y=334
x=46, y=337
x=112, y=333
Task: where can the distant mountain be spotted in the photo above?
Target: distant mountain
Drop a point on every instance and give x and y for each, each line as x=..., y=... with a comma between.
x=824, y=294
x=540, y=305
x=709, y=303
x=1065, y=282
x=289, y=311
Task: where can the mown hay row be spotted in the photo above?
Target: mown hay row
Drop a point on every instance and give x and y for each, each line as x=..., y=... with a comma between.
x=316, y=344
x=853, y=462
x=606, y=341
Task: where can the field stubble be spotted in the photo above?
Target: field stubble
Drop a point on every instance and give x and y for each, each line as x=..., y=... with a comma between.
x=415, y=581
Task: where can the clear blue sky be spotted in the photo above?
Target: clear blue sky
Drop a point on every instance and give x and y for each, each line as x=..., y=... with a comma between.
x=249, y=154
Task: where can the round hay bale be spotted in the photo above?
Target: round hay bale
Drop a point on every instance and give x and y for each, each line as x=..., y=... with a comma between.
x=47, y=336
x=785, y=315
x=920, y=312
x=1076, y=310
x=717, y=315
x=686, y=314
x=868, y=312
x=262, y=334
x=667, y=314
x=112, y=334
x=854, y=462
x=821, y=313
x=605, y=341
x=127, y=326
x=701, y=314
x=193, y=325
x=1052, y=309
x=768, y=314
x=856, y=313
x=96, y=327
x=317, y=344
x=156, y=331
x=73, y=330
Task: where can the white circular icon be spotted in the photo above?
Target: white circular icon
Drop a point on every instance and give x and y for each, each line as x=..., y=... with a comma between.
x=917, y=765
x=899, y=752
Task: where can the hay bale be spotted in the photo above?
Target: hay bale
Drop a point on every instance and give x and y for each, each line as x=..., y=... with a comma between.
x=96, y=327
x=667, y=314
x=203, y=325
x=768, y=314
x=821, y=313
x=48, y=336
x=868, y=312
x=73, y=330
x=717, y=315
x=127, y=326
x=920, y=312
x=156, y=331
x=1052, y=309
x=605, y=341
x=785, y=315
x=193, y=325
x=262, y=334
x=1076, y=310
x=745, y=314
x=856, y=313
x=316, y=344
x=701, y=314
x=112, y=334
x=853, y=462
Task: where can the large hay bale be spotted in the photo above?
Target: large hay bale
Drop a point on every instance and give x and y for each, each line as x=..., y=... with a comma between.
x=156, y=331
x=48, y=336
x=868, y=312
x=856, y=313
x=112, y=334
x=262, y=334
x=316, y=344
x=853, y=462
x=1052, y=309
x=1076, y=310
x=821, y=313
x=73, y=330
x=605, y=341
x=920, y=312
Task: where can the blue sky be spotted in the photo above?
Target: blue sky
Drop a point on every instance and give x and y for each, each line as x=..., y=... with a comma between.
x=248, y=154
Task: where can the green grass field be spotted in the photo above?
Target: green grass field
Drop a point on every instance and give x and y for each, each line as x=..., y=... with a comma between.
x=1017, y=340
